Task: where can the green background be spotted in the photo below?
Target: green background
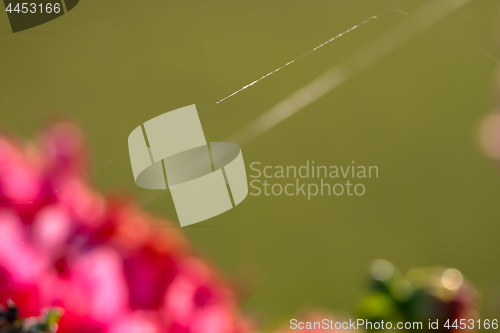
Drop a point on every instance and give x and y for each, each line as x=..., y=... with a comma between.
x=111, y=65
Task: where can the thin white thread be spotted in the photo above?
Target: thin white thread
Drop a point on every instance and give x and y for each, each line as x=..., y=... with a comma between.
x=290, y=62
x=263, y=77
x=461, y=2
x=366, y=64
x=429, y=14
x=254, y=82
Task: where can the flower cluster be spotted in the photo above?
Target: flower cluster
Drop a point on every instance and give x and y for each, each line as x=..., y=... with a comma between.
x=64, y=245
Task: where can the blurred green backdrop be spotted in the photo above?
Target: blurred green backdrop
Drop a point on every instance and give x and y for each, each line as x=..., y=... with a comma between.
x=111, y=65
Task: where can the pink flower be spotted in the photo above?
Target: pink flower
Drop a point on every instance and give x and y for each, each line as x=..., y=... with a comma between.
x=63, y=244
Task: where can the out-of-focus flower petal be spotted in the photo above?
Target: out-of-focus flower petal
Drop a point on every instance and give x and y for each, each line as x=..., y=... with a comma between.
x=51, y=228
x=22, y=262
x=64, y=149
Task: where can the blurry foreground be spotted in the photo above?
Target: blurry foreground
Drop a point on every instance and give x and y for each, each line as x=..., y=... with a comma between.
x=64, y=245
